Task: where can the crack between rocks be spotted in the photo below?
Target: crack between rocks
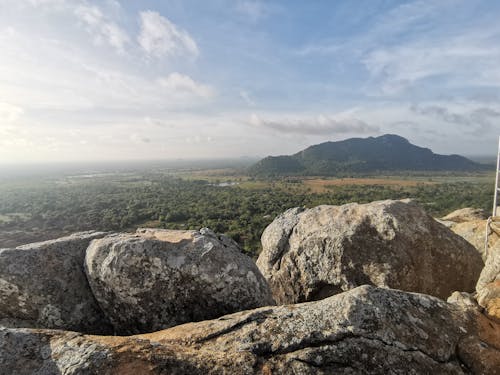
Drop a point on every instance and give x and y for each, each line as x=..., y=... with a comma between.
x=329, y=364
x=326, y=342
x=278, y=258
x=460, y=360
x=254, y=317
x=283, y=249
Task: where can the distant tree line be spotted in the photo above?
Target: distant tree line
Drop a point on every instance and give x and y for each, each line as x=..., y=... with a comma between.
x=163, y=201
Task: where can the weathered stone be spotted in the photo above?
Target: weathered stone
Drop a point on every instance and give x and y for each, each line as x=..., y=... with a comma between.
x=463, y=299
x=491, y=270
x=311, y=254
x=488, y=285
x=465, y=214
x=489, y=298
x=367, y=330
x=44, y=285
x=160, y=278
x=474, y=232
x=446, y=223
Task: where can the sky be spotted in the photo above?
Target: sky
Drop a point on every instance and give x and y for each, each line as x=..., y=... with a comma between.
x=84, y=80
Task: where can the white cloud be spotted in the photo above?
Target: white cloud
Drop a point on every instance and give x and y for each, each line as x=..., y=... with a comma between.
x=137, y=138
x=253, y=9
x=157, y=122
x=9, y=112
x=102, y=29
x=456, y=61
x=180, y=85
x=57, y=4
x=160, y=37
x=246, y=98
x=72, y=79
x=314, y=125
x=476, y=121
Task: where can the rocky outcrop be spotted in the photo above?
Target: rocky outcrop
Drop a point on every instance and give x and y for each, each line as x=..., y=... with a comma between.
x=474, y=232
x=491, y=270
x=366, y=330
x=160, y=278
x=488, y=285
x=311, y=254
x=463, y=299
x=465, y=214
x=470, y=224
x=489, y=298
x=44, y=285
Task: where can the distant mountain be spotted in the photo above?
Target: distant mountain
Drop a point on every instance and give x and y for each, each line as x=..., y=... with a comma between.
x=388, y=152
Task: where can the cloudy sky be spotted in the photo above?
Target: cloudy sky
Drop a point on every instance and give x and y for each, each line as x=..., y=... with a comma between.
x=105, y=80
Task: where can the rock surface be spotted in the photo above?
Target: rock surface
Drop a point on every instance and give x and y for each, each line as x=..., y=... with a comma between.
x=160, y=278
x=465, y=214
x=474, y=232
x=489, y=298
x=311, y=254
x=463, y=299
x=491, y=270
x=44, y=285
x=488, y=285
x=366, y=330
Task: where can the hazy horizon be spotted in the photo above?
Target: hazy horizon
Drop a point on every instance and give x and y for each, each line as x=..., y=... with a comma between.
x=110, y=81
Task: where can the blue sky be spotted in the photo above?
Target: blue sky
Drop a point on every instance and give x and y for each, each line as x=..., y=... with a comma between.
x=104, y=80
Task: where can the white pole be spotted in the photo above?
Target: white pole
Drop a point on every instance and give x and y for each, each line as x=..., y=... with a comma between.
x=496, y=181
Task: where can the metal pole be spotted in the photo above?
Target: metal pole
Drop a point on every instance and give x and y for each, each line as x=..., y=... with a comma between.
x=496, y=181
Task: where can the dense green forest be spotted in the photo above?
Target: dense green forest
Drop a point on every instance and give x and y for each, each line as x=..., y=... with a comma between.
x=37, y=210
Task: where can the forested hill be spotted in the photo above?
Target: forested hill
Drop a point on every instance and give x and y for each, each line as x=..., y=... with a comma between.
x=362, y=155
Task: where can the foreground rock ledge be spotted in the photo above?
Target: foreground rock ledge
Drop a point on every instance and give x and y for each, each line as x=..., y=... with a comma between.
x=366, y=330
x=159, y=278
x=311, y=254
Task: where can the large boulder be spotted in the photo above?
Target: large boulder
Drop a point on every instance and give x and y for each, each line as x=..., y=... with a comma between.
x=155, y=279
x=314, y=253
x=474, y=232
x=470, y=223
x=44, y=285
x=367, y=330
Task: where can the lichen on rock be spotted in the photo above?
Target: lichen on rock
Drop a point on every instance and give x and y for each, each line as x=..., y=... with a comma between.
x=156, y=279
x=310, y=254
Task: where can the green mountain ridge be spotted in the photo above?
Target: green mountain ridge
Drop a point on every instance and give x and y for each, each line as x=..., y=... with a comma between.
x=386, y=153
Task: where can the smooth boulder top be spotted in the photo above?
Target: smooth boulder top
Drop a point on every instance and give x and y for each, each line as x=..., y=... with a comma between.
x=465, y=214
x=44, y=285
x=158, y=278
x=309, y=254
x=367, y=330
x=474, y=232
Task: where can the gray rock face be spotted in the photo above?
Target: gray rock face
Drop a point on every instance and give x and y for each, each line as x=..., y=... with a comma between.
x=367, y=330
x=160, y=278
x=33, y=352
x=311, y=254
x=44, y=285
